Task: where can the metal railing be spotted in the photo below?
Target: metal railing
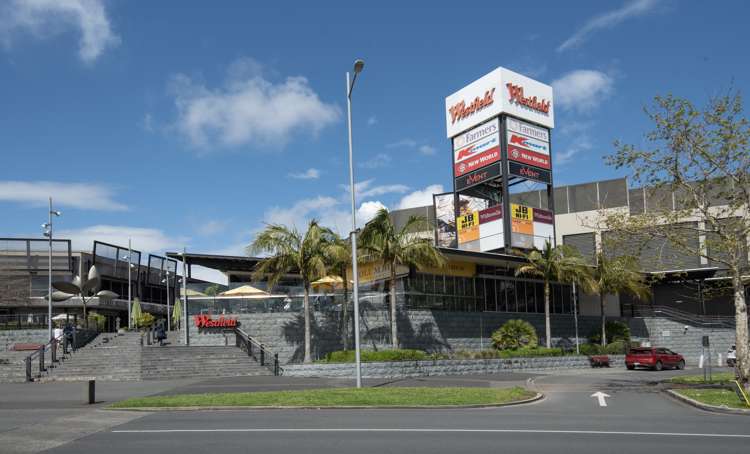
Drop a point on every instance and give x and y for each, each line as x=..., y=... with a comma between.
x=67, y=345
x=258, y=351
x=707, y=321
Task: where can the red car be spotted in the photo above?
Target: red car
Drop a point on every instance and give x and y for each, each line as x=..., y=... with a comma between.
x=654, y=358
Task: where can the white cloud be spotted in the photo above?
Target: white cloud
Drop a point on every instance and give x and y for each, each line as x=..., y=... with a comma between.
x=368, y=210
x=82, y=196
x=45, y=18
x=372, y=121
x=420, y=198
x=298, y=214
x=143, y=239
x=582, y=90
x=309, y=174
x=607, y=20
x=377, y=161
x=212, y=227
x=581, y=144
x=148, y=122
x=406, y=143
x=365, y=189
x=249, y=109
x=428, y=150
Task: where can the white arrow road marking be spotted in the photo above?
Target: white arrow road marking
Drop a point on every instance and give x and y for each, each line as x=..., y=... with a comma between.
x=601, y=397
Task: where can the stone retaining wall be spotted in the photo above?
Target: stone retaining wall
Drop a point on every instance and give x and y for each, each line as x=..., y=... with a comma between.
x=22, y=336
x=403, y=369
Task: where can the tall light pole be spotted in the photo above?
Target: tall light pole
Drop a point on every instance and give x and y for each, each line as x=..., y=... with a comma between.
x=185, y=297
x=48, y=233
x=358, y=65
x=130, y=293
x=167, y=281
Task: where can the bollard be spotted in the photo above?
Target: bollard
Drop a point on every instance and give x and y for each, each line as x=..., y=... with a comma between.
x=91, y=392
x=148, y=337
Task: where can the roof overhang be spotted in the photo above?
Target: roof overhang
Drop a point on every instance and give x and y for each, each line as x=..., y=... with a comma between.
x=223, y=263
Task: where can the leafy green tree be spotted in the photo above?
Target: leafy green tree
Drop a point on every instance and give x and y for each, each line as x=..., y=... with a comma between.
x=562, y=264
x=212, y=290
x=382, y=241
x=615, y=276
x=310, y=254
x=515, y=334
x=702, y=157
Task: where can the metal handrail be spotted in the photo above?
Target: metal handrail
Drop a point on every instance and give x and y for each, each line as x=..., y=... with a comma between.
x=52, y=346
x=715, y=321
x=248, y=344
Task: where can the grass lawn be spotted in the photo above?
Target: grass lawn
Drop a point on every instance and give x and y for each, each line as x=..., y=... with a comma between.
x=721, y=377
x=382, y=397
x=716, y=397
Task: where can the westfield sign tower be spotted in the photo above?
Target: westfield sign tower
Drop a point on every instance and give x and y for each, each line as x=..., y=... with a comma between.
x=500, y=132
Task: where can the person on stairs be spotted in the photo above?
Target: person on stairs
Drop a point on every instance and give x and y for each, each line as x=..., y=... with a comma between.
x=161, y=334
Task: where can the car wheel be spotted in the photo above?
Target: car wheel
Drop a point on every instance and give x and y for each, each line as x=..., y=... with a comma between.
x=681, y=364
x=659, y=366
x=630, y=367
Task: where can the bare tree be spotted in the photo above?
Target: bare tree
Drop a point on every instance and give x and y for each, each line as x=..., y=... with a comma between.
x=701, y=156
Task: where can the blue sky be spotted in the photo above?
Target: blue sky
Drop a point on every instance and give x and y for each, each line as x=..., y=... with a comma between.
x=187, y=123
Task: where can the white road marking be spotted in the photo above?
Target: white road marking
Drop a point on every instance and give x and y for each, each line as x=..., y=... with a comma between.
x=519, y=431
x=601, y=397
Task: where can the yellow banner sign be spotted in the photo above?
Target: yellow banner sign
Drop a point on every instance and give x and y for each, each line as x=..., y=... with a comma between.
x=453, y=268
x=375, y=271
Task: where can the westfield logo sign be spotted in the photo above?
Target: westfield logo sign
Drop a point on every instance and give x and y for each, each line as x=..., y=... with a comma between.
x=205, y=321
x=461, y=110
x=532, y=102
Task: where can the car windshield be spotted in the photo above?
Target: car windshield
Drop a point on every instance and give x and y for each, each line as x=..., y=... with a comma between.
x=639, y=351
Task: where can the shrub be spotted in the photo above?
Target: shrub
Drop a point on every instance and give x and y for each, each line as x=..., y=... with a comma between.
x=616, y=348
x=145, y=320
x=347, y=356
x=591, y=349
x=515, y=334
x=616, y=331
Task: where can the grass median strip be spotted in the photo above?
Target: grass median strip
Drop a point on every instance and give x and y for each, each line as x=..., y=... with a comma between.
x=716, y=397
x=716, y=378
x=338, y=397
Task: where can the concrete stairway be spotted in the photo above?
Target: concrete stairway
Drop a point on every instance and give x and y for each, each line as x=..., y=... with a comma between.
x=107, y=357
x=162, y=363
x=121, y=357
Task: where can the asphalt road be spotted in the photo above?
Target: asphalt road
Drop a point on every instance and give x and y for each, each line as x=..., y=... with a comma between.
x=637, y=418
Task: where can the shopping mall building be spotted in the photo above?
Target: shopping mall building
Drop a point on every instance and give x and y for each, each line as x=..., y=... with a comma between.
x=503, y=201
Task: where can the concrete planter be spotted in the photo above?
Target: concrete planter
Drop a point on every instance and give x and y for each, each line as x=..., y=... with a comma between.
x=402, y=369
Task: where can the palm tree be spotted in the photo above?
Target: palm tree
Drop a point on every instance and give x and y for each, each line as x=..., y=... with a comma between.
x=382, y=241
x=615, y=276
x=310, y=255
x=562, y=264
x=339, y=268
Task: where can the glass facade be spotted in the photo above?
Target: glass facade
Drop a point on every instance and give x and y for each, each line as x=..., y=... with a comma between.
x=483, y=293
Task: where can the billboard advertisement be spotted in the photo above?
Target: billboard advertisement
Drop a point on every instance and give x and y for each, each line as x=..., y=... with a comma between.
x=500, y=91
x=480, y=176
x=529, y=172
x=477, y=155
x=531, y=227
x=445, y=220
x=532, y=158
x=481, y=230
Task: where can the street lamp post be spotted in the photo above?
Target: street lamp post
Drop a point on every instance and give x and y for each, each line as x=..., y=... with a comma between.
x=130, y=294
x=358, y=65
x=48, y=234
x=167, y=282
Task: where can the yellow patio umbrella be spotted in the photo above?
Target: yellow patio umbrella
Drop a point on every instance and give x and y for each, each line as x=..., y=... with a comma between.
x=246, y=291
x=328, y=283
x=135, y=312
x=191, y=292
x=176, y=312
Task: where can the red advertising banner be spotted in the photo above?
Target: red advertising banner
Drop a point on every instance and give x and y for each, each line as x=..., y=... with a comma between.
x=543, y=216
x=519, y=154
x=477, y=162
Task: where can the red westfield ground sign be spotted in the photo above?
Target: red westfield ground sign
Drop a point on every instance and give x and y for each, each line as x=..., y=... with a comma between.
x=205, y=321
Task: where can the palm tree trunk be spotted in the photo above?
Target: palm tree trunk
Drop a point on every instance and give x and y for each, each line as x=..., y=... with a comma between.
x=602, y=305
x=308, y=357
x=547, y=328
x=394, y=327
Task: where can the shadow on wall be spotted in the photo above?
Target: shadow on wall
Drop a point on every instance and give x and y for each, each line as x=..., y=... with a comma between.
x=326, y=332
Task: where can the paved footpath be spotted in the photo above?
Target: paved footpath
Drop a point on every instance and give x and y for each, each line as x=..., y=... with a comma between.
x=636, y=418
